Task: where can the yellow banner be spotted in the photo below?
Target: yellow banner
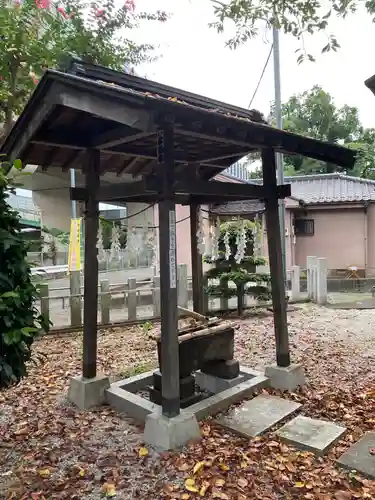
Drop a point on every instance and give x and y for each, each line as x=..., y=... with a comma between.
x=74, y=258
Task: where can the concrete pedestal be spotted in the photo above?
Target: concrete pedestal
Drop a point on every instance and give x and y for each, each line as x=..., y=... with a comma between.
x=87, y=393
x=165, y=433
x=285, y=378
x=214, y=385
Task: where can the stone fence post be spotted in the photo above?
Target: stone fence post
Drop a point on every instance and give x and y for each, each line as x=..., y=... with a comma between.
x=310, y=271
x=296, y=285
x=182, y=285
x=105, y=302
x=321, y=280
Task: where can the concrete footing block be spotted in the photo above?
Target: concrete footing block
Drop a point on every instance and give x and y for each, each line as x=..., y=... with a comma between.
x=215, y=384
x=285, y=378
x=165, y=433
x=86, y=393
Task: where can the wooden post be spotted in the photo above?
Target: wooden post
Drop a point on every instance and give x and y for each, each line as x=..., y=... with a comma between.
x=196, y=261
x=170, y=370
x=105, y=302
x=279, y=302
x=75, y=298
x=44, y=300
x=90, y=308
x=156, y=296
x=132, y=299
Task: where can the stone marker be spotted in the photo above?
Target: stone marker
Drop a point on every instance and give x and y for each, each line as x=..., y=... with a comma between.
x=311, y=434
x=359, y=458
x=258, y=415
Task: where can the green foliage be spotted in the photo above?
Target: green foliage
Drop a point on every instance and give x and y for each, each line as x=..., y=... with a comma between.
x=247, y=281
x=314, y=114
x=54, y=238
x=20, y=321
x=293, y=17
x=36, y=34
x=107, y=227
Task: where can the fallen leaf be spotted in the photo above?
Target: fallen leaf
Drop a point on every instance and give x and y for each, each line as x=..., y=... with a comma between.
x=142, y=452
x=183, y=466
x=185, y=496
x=372, y=451
x=219, y=494
x=190, y=485
x=204, y=488
x=343, y=495
x=299, y=484
x=44, y=473
x=219, y=482
x=242, y=482
x=224, y=467
x=109, y=489
x=198, y=467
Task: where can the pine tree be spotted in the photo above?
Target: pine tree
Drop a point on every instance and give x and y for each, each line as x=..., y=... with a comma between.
x=228, y=267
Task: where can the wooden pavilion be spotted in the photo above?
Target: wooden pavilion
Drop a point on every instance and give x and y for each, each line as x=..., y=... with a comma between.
x=173, y=142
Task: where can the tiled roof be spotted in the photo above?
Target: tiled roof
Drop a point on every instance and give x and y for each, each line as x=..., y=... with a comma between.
x=310, y=190
x=331, y=188
x=247, y=207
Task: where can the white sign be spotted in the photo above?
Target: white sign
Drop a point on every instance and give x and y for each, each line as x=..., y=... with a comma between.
x=172, y=249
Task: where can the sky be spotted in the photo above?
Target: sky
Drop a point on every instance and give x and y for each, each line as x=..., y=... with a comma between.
x=194, y=57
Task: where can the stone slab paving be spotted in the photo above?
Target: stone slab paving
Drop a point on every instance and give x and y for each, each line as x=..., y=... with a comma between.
x=311, y=434
x=359, y=456
x=258, y=415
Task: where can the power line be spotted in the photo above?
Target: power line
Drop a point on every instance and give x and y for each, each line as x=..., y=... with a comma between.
x=261, y=77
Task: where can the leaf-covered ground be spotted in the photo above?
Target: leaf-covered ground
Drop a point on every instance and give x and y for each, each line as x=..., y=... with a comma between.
x=48, y=449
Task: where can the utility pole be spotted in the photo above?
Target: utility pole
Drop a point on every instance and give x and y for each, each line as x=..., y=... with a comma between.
x=279, y=124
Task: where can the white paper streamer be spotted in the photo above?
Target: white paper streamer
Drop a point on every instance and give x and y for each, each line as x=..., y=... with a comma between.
x=115, y=243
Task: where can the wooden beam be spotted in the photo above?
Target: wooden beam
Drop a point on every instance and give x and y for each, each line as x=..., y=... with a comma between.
x=258, y=136
x=279, y=301
x=113, y=192
x=70, y=160
x=48, y=159
x=226, y=157
x=144, y=169
x=118, y=137
x=105, y=107
x=228, y=189
x=90, y=309
x=126, y=166
x=170, y=370
x=21, y=140
x=210, y=191
x=196, y=261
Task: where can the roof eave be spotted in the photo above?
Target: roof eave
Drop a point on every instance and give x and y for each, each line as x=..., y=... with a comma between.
x=370, y=84
x=280, y=140
x=24, y=118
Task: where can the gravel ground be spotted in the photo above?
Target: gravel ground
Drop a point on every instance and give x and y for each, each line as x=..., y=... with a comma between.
x=50, y=450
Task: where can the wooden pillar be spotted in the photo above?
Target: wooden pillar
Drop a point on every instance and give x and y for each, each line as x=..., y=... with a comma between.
x=170, y=370
x=90, y=312
x=275, y=256
x=196, y=261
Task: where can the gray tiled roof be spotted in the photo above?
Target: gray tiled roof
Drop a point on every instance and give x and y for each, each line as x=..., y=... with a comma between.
x=247, y=207
x=331, y=188
x=311, y=190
